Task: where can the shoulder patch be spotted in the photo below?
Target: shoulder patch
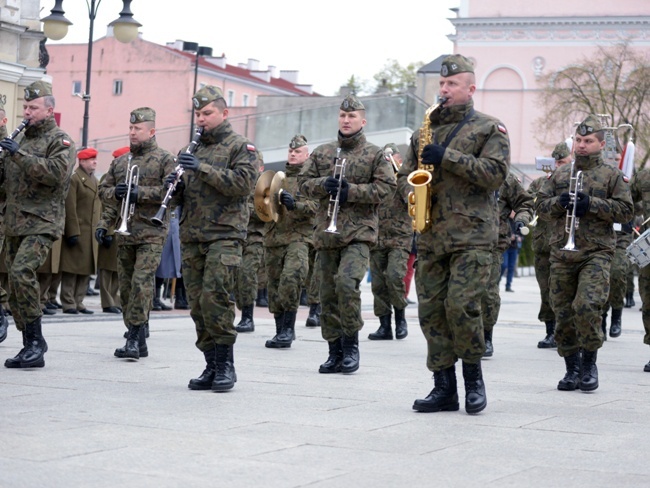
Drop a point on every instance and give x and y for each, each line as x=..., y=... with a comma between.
x=250, y=147
x=65, y=142
x=548, y=176
x=626, y=179
x=502, y=128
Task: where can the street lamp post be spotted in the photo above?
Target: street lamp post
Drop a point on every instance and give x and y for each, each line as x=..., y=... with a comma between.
x=199, y=51
x=125, y=29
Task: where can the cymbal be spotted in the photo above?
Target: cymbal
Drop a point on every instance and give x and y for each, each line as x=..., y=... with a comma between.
x=261, y=198
x=276, y=188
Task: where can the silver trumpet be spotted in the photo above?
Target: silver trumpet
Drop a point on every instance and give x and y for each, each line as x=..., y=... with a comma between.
x=572, y=222
x=333, y=208
x=128, y=208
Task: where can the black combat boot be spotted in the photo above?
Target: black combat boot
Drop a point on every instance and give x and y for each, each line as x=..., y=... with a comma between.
x=603, y=324
x=285, y=331
x=489, y=348
x=646, y=368
x=615, y=325
x=589, y=375
x=4, y=324
x=334, y=360
x=303, y=298
x=313, y=320
x=180, y=299
x=572, y=376
x=246, y=323
x=549, y=341
x=279, y=325
x=350, y=347
x=131, y=349
x=204, y=382
x=384, y=333
x=224, y=368
x=15, y=361
x=401, y=329
x=262, y=298
x=475, y=399
x=444, y=396
x=629, y=300
x=35, y=346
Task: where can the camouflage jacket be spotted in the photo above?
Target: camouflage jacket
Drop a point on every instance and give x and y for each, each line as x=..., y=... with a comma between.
x=512, y=197
x=256, y=226
x=295, y=225
x=215, y=196
x=540, y=230
x=475, y=164
x=36, y=181
x=610, y=201
x=395, y=224
x=371, y=179
x=640, y=190
x=154, y=165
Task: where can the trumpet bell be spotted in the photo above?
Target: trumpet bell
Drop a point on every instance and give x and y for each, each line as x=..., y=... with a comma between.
x=267, y=195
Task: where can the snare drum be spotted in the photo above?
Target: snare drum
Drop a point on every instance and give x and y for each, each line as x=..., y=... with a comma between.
x=639, y=251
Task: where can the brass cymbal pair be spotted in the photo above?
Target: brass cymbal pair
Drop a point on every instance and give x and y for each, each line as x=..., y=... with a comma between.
x=267, y=195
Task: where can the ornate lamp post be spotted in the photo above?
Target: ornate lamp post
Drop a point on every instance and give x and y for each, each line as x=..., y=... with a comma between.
x=200, y=51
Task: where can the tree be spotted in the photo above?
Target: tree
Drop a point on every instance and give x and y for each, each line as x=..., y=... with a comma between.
x=616, y=81
x=394, y=77
x=352, y=86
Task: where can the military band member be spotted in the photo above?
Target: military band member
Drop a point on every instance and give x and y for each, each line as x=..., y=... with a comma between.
x=389, y=258
x=286, y=248
x=37, y=166
x=139, y=252
x=368, y=180
x=470, y=152
x=579, y=283
x=4, y=323
x=218, y=180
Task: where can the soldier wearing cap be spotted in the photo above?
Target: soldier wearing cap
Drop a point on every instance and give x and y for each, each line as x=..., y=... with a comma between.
x=469, y=155
x=139, y=251
x=579, y=281
x=4, y=323
x=217, y=181
x=562, y=156
x=389, y=258
x=366, y=180
x=286, y=247
x=38, y=165
x=79, y=251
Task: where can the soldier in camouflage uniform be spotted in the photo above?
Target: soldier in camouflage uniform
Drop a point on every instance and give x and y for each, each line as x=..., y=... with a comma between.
x=286, y=248
x=368, y=181
x=138, y=253
x=313, y=289
x=542, y=250
x=512, y=199
x=388, y=259
x=4, y=323
x=36, y=171
x=218, y=179
x=470, y=153
x=579, y=283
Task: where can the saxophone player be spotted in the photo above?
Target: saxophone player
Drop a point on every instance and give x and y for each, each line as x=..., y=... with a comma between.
x=469, y=153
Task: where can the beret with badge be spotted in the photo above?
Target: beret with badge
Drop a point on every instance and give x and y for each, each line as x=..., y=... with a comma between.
x=205, y=95
x=88, y=153
x=561, y=151
x=589, y=126
x=143, y=114
x=120, y=151
x=351, y=104
x=38, y=89
x=454, y=64
x=298, y=141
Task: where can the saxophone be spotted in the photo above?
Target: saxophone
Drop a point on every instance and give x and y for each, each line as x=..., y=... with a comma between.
x=419, y=200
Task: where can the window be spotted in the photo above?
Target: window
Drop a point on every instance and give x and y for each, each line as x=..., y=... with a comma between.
x=245, y=100
x=117, y=87
x=76, y=88
x=231, y=98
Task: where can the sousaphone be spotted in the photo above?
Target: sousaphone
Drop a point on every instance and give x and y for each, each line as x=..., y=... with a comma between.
x=267, y=195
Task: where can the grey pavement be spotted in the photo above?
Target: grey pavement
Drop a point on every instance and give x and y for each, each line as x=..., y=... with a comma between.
x=89, y=419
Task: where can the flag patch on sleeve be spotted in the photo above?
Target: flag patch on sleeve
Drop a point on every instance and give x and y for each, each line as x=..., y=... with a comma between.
x=250, y=147
x=626, y=179
x=502, y=128
x=65, y=142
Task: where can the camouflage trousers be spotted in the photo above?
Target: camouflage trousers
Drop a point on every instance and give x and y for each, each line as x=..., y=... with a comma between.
x=136, y=268
x=25, y=254
x=388, y=268
x=644, y=291
x=209, y=270
x=3, y=292
x=246, y=280
x=312, y=281
x=543, y=274
x=450, y=291
x=578, y=292
x=632, y=269
x=286, y=269
x=491, y=304
x=340, y=294
x=618, y=279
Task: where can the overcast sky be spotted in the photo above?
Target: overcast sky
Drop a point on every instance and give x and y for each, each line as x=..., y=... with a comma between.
x=327, y=42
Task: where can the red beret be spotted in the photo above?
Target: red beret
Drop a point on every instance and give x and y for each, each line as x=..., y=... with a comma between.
x=123, y=150
x=87, y=153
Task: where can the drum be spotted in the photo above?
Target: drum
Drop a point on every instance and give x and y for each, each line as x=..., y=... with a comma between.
x=639, y=251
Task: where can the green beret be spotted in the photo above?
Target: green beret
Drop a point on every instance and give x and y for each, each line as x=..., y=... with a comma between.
x=561, y=151
x=590, y=125
x=351, y=104
x=454, y=64
x=206, y=95
x=392, y=146
x=38, y=89
x=298, y=141
x=143, y=114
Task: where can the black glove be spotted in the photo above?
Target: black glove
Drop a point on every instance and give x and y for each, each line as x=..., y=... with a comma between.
x=287, y=200
x=188, y=162
x=331, y=185
x=108, y=241
x=433, y=154
x=582, y=206
x=100, y=235
x=9, y=145
x=170, y=181
x=627, y=228
x=565, y=201
x=518, y=226
x=345, y=186
x=72, y=241
x=120, y=190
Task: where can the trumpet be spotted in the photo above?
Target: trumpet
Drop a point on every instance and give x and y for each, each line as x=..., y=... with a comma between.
x=17, y=130
x=572, y=222
x=128, y=208
x=388, y=154
x=333, y=209
x=159, y=218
